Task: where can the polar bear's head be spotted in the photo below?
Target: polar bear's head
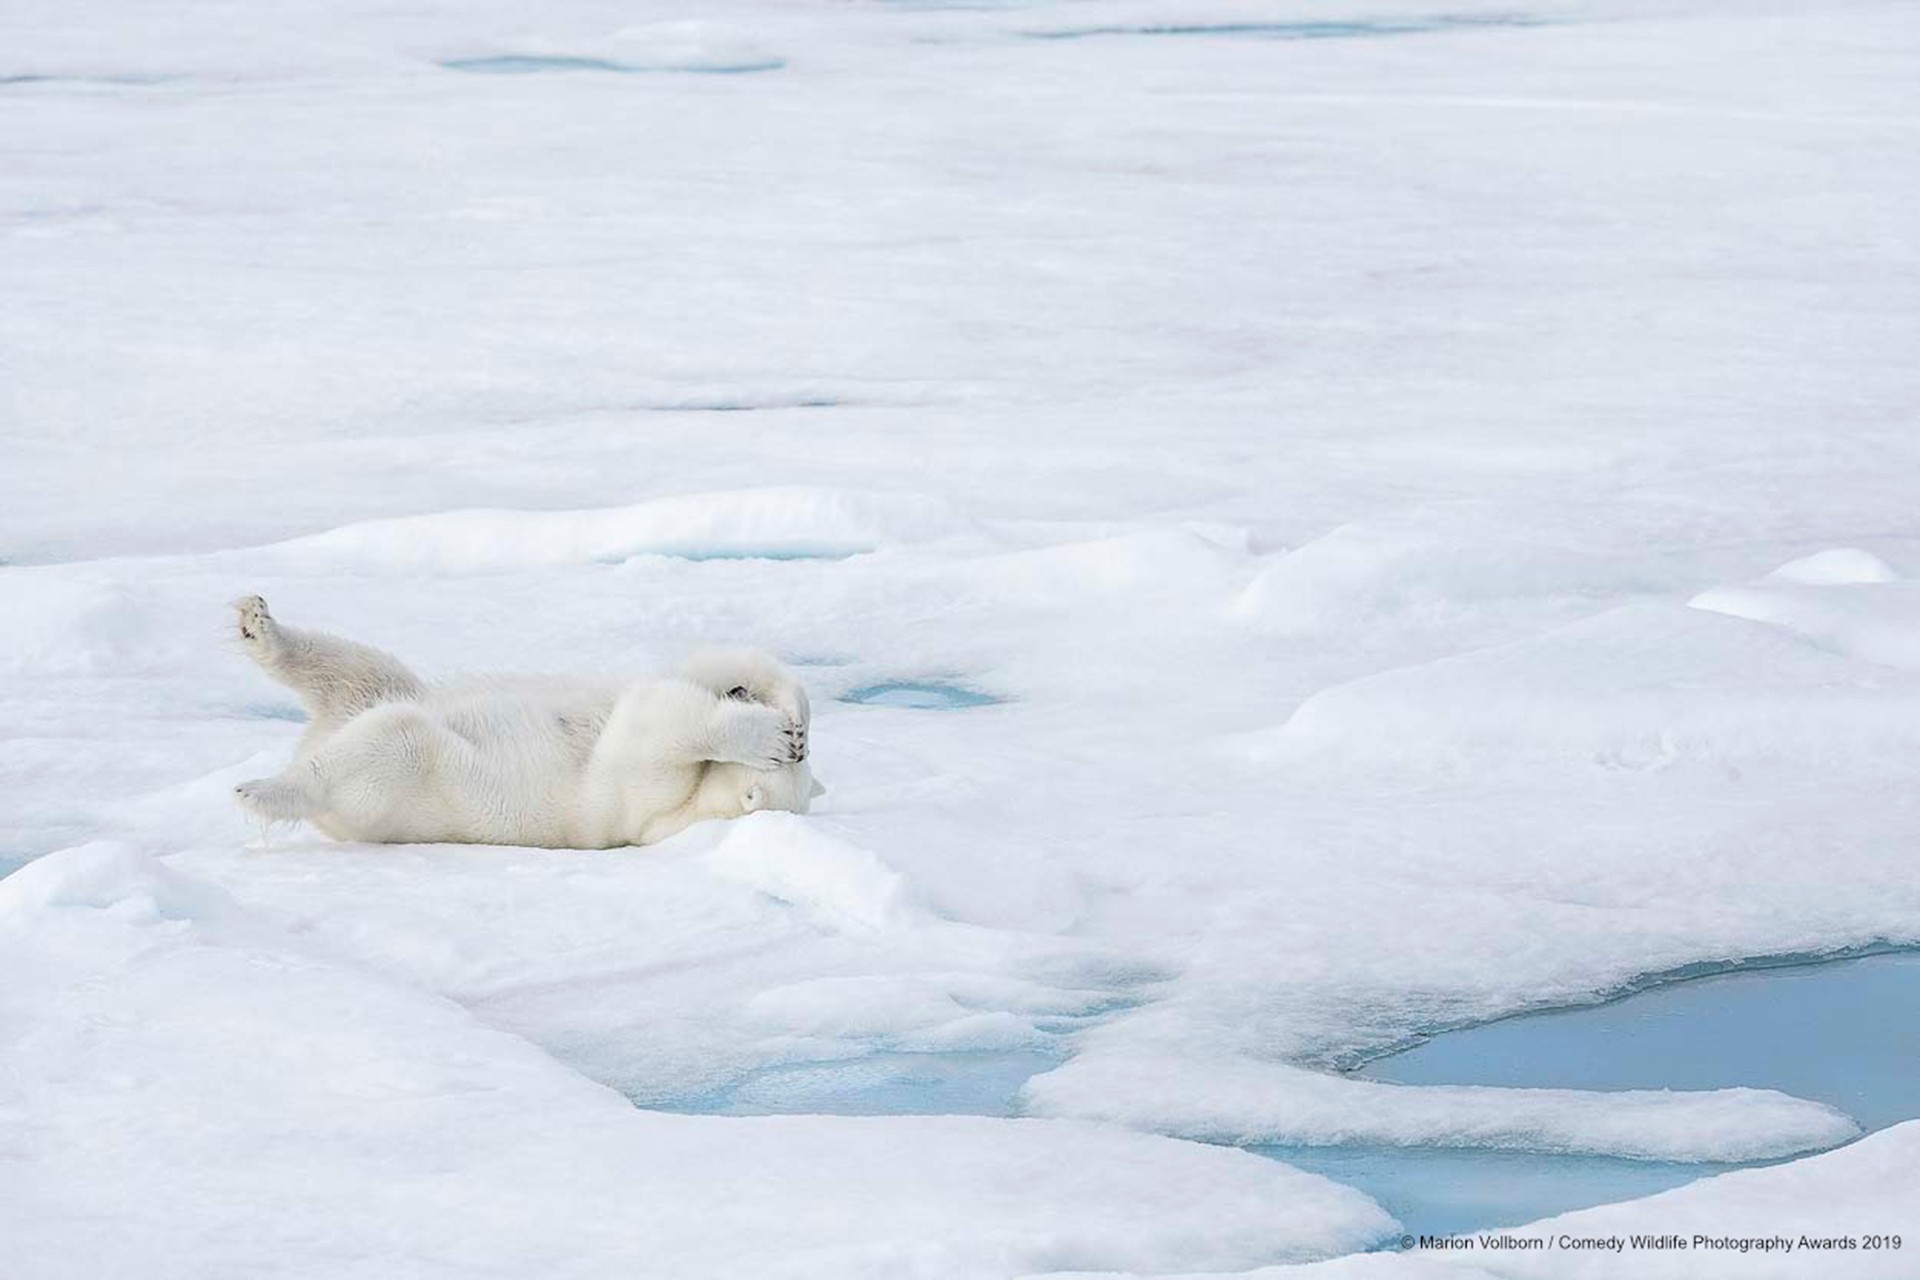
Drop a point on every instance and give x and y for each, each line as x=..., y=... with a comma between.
x=791, y=788
x=748, y=675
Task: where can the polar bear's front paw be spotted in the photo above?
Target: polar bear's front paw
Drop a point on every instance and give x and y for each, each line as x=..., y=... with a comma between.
x=258, y=630
x=762, y=738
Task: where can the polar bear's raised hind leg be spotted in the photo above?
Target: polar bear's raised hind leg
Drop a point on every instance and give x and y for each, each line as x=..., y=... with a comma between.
x=335, y=678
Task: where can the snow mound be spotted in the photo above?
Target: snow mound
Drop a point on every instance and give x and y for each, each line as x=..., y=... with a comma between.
x=1639, y=686
x=1131, y=564
x=110, y=877
x=1838, y=566
x=837, y=885
x=1360, y=573
x=1873, y=619
x=1246, y=1101
x=694, y=45
x=779, y=523
x=54, y=625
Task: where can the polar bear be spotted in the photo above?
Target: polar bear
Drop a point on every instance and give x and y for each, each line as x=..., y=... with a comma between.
x=547, y=762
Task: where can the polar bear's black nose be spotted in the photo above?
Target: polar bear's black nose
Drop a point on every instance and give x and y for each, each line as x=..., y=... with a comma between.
x=739, y=693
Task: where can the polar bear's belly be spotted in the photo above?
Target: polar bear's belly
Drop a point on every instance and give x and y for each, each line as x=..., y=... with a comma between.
x=499, y=768
x=520, y=780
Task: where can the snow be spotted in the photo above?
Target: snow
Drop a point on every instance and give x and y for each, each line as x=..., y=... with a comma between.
x=1431, y=504
x=1249, y=1102
x=1840, y=566
x=1657, y=683
x=1753, y=1222
x=317, y=1120
x=768, y=524
x=838, y=885
x=1833, y=600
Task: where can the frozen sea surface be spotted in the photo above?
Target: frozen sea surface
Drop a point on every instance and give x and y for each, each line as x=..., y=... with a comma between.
x=1435, y=508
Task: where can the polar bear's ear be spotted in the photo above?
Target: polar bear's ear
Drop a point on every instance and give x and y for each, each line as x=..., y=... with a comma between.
x=819, y=789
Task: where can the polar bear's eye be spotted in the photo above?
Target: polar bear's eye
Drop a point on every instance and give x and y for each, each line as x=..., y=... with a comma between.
x=739, y=693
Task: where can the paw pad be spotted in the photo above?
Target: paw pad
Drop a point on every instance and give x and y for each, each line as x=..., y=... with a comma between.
x=253, y=616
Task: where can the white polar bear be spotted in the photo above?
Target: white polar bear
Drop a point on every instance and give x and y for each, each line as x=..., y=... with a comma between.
x=553, y=763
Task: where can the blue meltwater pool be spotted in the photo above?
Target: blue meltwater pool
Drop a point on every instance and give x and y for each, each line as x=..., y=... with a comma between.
x=1841, y=1031
x=920, y=695
x=1844, y=1032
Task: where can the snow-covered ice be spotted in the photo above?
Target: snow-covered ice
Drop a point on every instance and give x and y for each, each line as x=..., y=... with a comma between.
x=1256, y=1102
x=317, y=1119
x=1428, y=493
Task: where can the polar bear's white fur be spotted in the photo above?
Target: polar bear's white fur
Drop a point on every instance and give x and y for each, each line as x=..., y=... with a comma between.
x=555, y=763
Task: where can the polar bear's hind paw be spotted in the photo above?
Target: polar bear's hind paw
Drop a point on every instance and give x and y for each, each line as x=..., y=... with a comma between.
x=272, y=799
x=257, y=628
